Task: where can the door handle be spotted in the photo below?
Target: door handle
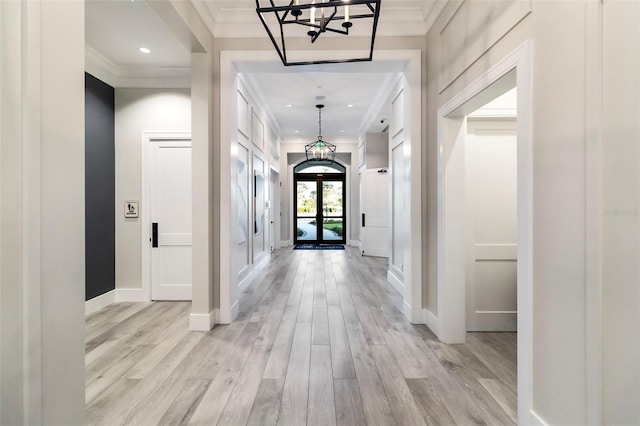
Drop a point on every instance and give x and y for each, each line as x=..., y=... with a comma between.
x=154, y=234
x=363, y=220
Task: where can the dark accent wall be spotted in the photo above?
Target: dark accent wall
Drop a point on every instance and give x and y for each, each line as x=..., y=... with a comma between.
x=100, y=179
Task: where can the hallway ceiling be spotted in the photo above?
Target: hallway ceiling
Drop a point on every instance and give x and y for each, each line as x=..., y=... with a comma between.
x=115, y=30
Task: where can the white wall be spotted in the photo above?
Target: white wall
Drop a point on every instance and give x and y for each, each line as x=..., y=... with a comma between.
x=255, y=146
x=42, y=269
x=376, y=150
x=621, y=208
x=566, y=160
x=138, y=111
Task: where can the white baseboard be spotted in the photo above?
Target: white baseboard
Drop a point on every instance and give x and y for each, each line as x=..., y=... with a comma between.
x=375, y=252
x=396, y=282
x=430, y=320
x=536, y=420
x=202, y=322
x=235, y=310
x=407, y=310
x=99, y=302
x=245, y=281
x=130, y=295
x=286, y=243
x=353, y=243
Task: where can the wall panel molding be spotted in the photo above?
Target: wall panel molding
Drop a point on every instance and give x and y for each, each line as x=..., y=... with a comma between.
x=460, y=34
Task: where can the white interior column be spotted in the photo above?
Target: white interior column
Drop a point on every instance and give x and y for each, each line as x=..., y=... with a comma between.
x=42, y=239
x=202, y=311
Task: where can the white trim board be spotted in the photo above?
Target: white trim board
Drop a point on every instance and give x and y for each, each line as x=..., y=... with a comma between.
x=136, y=76
x=130, y=295
x=99, y=302
x=431, y=321
x=202, y=322
x=246, y=281
x=517, y=68
x=395, y=281
x=535, y=419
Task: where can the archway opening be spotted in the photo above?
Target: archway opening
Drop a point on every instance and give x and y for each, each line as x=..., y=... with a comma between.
x=320, y=213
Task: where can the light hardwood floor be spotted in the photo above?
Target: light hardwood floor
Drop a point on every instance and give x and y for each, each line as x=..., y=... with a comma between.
x=320, y=340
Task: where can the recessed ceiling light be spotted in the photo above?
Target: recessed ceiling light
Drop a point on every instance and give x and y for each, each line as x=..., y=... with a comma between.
x=350, y=106
x=289, y=105
x=296, y=131
x=341, y=131
x=144, y=50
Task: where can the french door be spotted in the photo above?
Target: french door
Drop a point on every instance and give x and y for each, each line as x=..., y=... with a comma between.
x=320, y=214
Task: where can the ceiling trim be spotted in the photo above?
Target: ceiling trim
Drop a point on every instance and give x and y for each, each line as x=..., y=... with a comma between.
x=240, y=21
x=378, y=103
x=258, y=97
x=99, y=66
x=135, y=76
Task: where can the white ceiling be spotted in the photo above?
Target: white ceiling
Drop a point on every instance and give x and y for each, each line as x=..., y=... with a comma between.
x=350, y=101
x=116, y=29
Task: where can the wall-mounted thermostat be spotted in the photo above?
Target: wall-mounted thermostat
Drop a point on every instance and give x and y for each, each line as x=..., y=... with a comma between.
x=131, y=208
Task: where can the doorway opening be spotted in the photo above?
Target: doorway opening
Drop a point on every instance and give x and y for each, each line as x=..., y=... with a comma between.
x=319, y=203
x=491, y=170
x=514, y=71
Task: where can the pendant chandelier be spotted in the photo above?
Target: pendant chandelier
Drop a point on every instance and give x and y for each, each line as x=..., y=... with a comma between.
x=282, y=18
x=320, y=150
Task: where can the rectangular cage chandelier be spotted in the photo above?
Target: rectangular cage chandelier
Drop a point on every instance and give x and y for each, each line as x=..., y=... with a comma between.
x=287, y=19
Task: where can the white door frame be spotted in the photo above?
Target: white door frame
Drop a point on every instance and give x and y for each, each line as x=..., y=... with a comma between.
x=145, y=212
x=451, y=129
x=274, y=208
x=229, y=61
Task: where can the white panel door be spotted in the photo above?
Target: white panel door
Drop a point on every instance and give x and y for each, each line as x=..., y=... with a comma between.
x=374, y=208
x=491, y=272
x=170, y=191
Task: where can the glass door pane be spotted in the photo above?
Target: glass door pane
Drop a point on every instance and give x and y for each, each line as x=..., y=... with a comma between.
x=332, y=198
x=307, y=211
x=333, y=229
x=332, y=210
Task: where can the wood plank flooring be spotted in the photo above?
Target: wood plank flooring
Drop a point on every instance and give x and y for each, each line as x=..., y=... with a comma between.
x=320, y=340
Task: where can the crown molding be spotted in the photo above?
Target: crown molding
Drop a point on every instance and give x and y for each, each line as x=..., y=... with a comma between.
x=238, y=19
x=134, y=75
x=377, y=105
x=99, y=66
x=261, y=102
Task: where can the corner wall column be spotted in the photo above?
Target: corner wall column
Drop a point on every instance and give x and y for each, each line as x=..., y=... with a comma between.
x=202, y=314
x=42, y=231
